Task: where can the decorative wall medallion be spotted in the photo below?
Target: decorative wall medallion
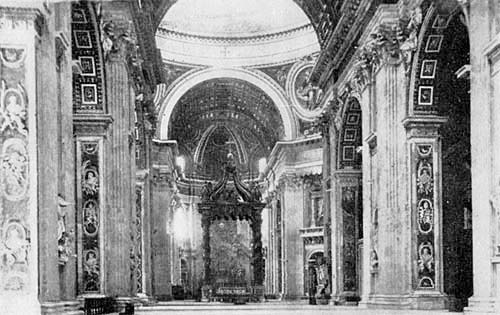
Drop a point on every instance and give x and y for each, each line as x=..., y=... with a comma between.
x=428, y=69
x=425, y=182
x=89, y=94
x=12, y=57
x=78, y=16
x=306, y=98
x=425, y=216
x=12, y=110
x=88, y=66
x=433, y=43
x=90, y=182
x=90, y=212
x=348, y=153
x=425, y=95
x=90, y=218
x=82, y=39
x=426, y=265
x=441, y=21
x=91, y=270
x=14, y=169
x=14, y=256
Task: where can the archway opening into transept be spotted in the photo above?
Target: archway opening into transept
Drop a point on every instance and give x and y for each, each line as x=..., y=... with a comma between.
x=453, y=88
x=443, y=90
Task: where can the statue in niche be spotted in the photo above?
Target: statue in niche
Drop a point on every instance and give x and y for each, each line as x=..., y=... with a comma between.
x=206, y=191
x=322, y=278
x=256, y=194
x=320, y=214
x=495, y=208
x=373, y=261
x=63, y=237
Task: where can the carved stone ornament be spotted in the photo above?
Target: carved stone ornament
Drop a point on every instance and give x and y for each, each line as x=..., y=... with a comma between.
x=390, y=43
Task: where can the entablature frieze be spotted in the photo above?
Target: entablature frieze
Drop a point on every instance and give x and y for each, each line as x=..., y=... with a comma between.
x=347, y=177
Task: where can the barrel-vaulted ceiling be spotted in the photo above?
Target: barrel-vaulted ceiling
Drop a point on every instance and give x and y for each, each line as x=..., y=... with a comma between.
x=225, y=115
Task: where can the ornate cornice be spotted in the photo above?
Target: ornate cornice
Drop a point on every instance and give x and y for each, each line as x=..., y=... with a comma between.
x=162, y=31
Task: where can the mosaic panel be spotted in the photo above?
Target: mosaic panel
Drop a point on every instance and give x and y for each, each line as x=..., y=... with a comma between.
x=14, y=172
x=90, y=187
x=87, y=80
x=349, y=237
x=138, y=239
x=351, y=136
x=424, y=216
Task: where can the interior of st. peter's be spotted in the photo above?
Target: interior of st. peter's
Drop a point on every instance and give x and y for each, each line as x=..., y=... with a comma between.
x=249, y=156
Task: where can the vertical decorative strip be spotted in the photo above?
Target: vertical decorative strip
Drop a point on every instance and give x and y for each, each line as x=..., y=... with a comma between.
x=90, y=205
x=138, y=240
x=15, y=231
x=424, y=213
x=349, y=238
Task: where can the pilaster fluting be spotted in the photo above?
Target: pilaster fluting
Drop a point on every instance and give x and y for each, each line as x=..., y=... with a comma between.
x=119, y=176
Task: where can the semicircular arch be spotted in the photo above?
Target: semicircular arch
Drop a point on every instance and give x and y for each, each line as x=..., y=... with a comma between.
x=256, y=78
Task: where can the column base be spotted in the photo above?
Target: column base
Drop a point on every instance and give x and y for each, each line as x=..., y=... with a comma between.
x=483, y=306
x=345, y=298
x=145, y=299
x=163, y=297
x=62, y=307
x=416, y=301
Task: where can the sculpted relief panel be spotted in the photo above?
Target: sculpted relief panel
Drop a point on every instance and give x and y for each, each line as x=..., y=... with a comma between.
x=14, y=172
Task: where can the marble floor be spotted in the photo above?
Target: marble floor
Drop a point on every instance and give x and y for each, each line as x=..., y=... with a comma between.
x=186, y=308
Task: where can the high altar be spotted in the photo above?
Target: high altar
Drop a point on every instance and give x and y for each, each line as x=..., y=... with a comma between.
x=231, y=199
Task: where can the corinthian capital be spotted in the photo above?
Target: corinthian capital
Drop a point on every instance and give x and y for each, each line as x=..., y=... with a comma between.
x=391, y=42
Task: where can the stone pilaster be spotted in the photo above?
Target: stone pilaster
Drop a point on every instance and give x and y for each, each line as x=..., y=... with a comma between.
x=20, y=100
x=162, y=194
x=485, y=155
x=292, y=220
x=120, y=179
x=345, y=227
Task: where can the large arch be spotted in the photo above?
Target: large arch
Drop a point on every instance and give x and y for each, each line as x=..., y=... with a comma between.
x=257, y=78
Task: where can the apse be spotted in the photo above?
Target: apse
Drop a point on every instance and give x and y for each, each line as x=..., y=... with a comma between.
x=222, y=116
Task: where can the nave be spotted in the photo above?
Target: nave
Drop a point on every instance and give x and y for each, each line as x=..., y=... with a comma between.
x=249, y=156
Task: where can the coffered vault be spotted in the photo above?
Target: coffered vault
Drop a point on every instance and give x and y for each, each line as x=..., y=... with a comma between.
x=222, y=115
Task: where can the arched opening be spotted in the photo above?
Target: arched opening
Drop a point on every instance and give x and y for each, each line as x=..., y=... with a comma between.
x=442, y=89
x=222, y=116
x=454, y=100
x=348, y=178
x=314, y=262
